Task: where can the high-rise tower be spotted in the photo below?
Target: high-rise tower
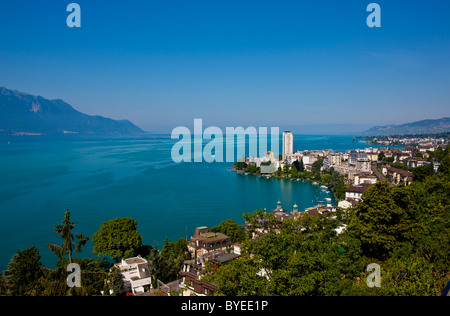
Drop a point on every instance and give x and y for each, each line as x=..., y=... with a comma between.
x=288, y=144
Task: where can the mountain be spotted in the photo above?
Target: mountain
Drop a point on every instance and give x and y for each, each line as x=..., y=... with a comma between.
x=421, y=127
x=21, y=113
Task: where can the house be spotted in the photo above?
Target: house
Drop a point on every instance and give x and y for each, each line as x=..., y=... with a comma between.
x=334, y=158
x=409, y=150
x=372, y=156
x=416, y=162
x=365, y=177
x=319, y=210
x=261, y=226
x=401, y=156
x=355, y=192
x=192, y=271
x=135, y=274
x=345, y=204
x=191, y=280
x=363, y=164
x=425, y=148
x=398, y=175
x=205, y=245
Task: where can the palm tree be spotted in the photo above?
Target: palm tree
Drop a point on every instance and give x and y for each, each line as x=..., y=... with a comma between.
x=71, y=241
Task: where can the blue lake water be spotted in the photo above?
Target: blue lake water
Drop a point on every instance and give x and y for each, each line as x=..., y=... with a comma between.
x=102, y=178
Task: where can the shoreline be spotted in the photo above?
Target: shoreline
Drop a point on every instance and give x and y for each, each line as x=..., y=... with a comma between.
x=312, y=182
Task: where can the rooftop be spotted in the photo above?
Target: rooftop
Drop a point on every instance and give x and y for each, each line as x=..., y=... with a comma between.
x=226, y=257
x=358, y=188
x=210, y=237
x=135, y=260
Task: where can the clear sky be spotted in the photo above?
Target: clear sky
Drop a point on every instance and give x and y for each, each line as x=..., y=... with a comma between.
x=162, y=63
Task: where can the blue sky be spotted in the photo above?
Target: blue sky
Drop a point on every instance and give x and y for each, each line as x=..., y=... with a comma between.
x=292, y=64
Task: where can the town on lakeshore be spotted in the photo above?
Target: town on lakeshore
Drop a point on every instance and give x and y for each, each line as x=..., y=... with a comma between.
x=357, y=168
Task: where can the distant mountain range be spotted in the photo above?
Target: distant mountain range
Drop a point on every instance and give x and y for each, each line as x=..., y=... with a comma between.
x=421, y=127
x=24, y=114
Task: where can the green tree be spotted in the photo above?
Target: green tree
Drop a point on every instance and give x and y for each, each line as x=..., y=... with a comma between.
x=231, y=229
x=316, y=166
x=240, y=165
x=439, y=154
x=444, y=166
x=301, y=166
x=279, y=172
x=3, y=285
x=24, y=272
x=422, y=172
x=327, y=178
x=174, y=248
x=94, y=272
x=339, y=191
x=409, y=272
x=153, y=261
x=71, y=242
x=294, y=171
x=252, y=169
x=118, y=238
x=432, y=239
x=240, y=277
x=382, y=219
x=115, y=281
x=164, y=265
x=417, y=154
x=298, y=258
x=286, y=168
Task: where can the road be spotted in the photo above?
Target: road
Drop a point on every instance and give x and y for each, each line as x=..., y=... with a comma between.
x=379, y=175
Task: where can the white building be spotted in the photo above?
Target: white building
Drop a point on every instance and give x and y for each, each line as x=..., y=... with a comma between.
x=288, y=144
x=363, y=164
x=344, y=204
x=135, y=274
x=306, y=160
x=361, y=178
x=335, y=159
x=296, y=155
